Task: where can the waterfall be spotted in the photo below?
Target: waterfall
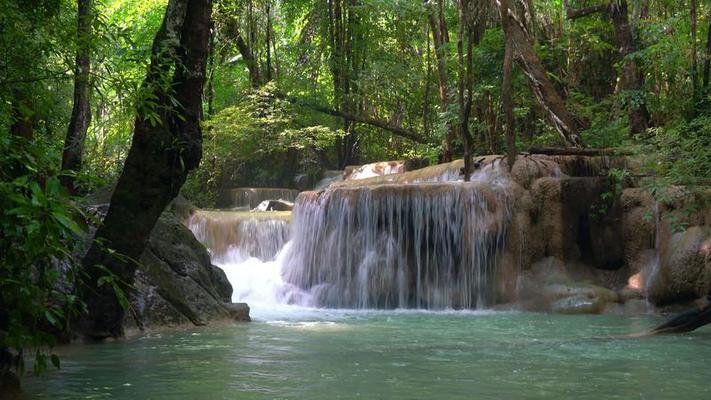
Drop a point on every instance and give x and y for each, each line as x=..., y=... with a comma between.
x=429, y=245
x=233, y=236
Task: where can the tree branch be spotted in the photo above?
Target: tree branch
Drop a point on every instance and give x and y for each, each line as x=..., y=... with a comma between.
x=392, y=128
x=584, y=12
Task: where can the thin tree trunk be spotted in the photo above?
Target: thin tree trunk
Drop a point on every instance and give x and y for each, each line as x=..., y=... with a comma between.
x=463, y=5
x=277, y=65
x=248, y=57
x=269, y=41
x=160, y=157
x=466, y=81
x=211, y=66
x=506, y=88
x=694, y=57
x=81, y=111
x=440, y=36
x=707, y=58
x=632, y=79
x=426, y=100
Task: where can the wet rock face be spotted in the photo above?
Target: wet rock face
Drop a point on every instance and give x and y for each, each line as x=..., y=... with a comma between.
x=548, y=286
x=574, y=223
x=684, y=270
x=176, y=283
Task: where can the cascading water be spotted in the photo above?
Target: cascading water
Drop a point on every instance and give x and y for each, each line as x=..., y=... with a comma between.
x=397, y=246
x=248, y=247
x=431, y=244
x=236, y=236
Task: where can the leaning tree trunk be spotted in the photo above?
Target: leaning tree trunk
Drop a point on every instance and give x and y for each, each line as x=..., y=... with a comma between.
x=81, y=111
x=687, y=321
x=166, y=145
x=567, y=125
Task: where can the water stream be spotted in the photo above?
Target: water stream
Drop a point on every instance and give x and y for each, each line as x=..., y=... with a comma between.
x=354, y=299
x=297, y=353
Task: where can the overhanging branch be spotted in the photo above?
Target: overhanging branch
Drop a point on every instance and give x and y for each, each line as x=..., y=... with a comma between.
x=387, y=126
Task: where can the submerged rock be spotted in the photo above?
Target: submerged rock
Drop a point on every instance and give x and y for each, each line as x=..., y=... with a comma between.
x=549, y=286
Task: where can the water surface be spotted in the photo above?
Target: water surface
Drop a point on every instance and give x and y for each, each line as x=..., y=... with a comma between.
x=319, y=354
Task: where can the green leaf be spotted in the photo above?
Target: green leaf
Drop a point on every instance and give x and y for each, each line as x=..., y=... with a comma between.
x=67, y=223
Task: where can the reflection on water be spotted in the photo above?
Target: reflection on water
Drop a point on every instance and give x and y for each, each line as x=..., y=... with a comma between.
x=316, y=354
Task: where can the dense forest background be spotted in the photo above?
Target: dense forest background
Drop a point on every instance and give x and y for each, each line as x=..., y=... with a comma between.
x=325, y=84
x=293, y=88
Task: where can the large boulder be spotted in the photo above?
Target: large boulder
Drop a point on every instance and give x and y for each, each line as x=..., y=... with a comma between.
x=175, y=282
x=684, y=268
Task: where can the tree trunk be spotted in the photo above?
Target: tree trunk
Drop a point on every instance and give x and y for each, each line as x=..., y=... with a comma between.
x=694, y=58
x=707, y=58
x=166, y=146
x=466, y=80
x=252, y=65
x=632, y=80
x=687, y=321
x=506, y=89
x=81, y=111
x=567, y=125
x=211, y=66
x=269, y=40
x=440, y=36
x=22, y=123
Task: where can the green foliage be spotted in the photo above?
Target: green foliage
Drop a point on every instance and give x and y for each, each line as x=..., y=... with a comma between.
x=38, y=229
x=254, y=141
x=680, y=154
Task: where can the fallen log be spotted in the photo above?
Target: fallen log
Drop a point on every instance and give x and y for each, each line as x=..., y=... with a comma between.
x=687, y=321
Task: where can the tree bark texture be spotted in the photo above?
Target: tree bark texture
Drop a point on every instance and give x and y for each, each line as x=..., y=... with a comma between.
x=166, y=146
x=81, y=110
